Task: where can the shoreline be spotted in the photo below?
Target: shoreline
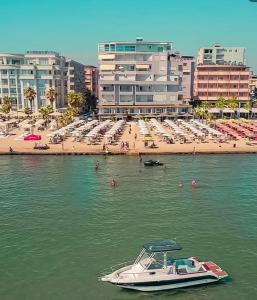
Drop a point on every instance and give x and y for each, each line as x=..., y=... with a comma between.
x=113, y=153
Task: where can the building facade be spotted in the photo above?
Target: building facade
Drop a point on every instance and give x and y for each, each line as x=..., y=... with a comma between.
x=218, y=55
x=43, y=70
x=139, y=78
x=91, y=79
x=253, y=86
x=228, y=81
x=40, y=70
x=9, y=78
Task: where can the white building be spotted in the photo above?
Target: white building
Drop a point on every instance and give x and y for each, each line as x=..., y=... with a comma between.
x=9, y=78
x=218, y=55
x=139, y=78
x=40, y=70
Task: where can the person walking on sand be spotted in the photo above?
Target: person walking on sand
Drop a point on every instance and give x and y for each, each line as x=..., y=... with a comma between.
x=62, y=146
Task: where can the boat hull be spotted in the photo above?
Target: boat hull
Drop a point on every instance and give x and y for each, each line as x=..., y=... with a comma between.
x=158, y=286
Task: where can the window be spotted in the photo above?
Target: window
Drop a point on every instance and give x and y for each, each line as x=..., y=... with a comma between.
x=43, y=62
x=13, y=90
x=12, y=82
x=5, y=90
x=4, y=82
x=4, y=72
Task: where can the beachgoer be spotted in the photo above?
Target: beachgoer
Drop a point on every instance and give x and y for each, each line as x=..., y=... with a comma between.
x=193, y=183
x=62, y=146
x=135, y=136
x=97, y=165
x=114, y=183
x=10, y=149
x=140, y=159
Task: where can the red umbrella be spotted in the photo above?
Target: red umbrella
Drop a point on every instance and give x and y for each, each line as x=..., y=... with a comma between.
x=32, y=137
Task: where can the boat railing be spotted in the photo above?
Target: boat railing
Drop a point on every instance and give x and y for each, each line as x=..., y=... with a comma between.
x=114, y=268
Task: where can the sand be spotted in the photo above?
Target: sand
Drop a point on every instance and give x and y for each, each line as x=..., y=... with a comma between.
x=136, y=147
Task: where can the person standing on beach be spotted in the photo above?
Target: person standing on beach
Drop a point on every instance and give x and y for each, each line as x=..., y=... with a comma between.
x=62, y=146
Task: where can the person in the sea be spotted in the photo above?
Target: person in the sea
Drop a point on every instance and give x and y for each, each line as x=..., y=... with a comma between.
x=113, y=183
x=193, y=183
x=97, y=165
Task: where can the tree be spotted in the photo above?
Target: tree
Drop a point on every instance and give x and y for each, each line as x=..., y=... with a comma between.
x=75, y=101
x=248, y=106
x=221, y=104
x=6, y=105
x=27, y=111
x=45, y=112
x=30, y=94
x=232, y=104
x=204, y=107
x=51, y=95
x=199, y=111
x=66, y=117
x=91, y=100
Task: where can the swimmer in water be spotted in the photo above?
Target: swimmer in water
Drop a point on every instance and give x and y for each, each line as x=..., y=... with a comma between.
x=97, y=165
x=114, y=183
x=193, y=183
x=180, y=184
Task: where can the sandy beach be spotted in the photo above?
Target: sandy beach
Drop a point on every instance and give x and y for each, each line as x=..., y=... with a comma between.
x=136, y=145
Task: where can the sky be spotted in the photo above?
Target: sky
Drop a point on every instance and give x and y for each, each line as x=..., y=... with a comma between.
x=75, y=27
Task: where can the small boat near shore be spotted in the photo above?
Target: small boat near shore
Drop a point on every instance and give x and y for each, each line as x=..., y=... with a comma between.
x=152, y=163
x=156, y=270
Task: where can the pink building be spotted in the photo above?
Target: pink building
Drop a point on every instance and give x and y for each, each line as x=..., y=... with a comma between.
x=227, y=81
x=91, y=79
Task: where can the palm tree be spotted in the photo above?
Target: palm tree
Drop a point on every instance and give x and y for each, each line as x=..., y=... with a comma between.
x=232, y=104
x=221, y=104
x=45, y=112
x=51, y=95
x=30, y=94
x=204, y=107
x=27, y=111
x=199, y=111
x=6, y=105
x=75, y=101
x=248, y=106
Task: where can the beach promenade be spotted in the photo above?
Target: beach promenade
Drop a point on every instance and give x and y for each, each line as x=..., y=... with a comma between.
x=130, y=135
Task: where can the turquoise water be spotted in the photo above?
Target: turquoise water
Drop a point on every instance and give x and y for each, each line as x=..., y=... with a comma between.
x=61, y=223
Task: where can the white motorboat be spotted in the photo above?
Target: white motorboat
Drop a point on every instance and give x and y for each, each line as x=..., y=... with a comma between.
x=156, y=270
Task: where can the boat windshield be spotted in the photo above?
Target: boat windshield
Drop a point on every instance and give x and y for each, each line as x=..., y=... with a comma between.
x=151, y=261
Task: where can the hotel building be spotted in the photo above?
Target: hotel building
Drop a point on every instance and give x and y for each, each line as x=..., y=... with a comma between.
x=221, y=74
x=40, y=70
x=9, y=78
x=91, y=79
x=139, y=78
x=218, y=55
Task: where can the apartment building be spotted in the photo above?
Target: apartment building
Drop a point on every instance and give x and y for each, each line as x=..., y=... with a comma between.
x=221, y=72
x=139, y=78
x=9, y=78
x=218, y=55
x=91, y=79
x=227, y=81
x=253, y=86
x=40, y=70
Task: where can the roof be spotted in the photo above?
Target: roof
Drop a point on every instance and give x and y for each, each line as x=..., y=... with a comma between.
x=162, y=246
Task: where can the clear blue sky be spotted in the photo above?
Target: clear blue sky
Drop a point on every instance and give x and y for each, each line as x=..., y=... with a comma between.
x=74, y=27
